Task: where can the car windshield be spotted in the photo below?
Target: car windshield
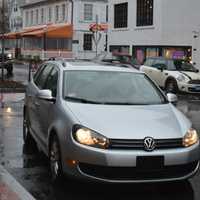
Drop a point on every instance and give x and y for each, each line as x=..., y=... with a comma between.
x=184, y=66
x=113, y=88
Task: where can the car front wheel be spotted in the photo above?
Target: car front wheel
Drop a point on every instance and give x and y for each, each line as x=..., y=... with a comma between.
x=55, y=160
x=26, y=132
x=171, y=86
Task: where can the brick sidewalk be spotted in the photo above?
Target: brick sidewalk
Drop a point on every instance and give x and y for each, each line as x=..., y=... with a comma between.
x=6, y=193
x=10, y=189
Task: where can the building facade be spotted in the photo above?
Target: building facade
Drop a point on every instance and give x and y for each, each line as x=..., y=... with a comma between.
x=147, y=28
x=79, y=13
x=15, y=15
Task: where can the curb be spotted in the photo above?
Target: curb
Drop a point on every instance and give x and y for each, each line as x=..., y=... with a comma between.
x=13, y=185
x=12, y=90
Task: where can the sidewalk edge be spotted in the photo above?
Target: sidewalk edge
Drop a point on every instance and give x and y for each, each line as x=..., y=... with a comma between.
x=15, y=186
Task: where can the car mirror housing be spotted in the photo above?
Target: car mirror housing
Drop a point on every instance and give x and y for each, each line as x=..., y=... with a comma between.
x=161, y=68
x=172, y=98
x=46, y=95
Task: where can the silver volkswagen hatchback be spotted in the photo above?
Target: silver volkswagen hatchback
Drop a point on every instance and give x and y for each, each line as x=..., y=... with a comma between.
x=109, y=124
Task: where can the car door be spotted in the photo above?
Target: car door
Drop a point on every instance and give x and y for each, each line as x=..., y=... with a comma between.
x=159, y=71
x=31, y=92
x=36, y=103
x=46, y=108
x=148, y=67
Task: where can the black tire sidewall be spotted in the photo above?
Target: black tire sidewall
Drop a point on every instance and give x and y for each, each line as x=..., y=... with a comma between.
x=175, y=86
x=56, y=179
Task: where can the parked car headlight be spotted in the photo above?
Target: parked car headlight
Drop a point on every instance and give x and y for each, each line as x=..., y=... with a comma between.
x=88, y=137
x=181, y=78
x=190, y=138
x=9, y=56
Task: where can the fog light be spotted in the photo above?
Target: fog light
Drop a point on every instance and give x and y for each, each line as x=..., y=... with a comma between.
x=71, y=163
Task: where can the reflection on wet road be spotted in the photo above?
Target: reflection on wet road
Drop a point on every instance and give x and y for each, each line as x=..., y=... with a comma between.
x=30, y=167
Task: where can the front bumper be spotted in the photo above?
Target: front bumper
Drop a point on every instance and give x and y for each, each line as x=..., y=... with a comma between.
x=120, y=166
x=189, y=88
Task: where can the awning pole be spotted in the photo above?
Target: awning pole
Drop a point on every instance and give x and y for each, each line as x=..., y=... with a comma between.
x=3, y=39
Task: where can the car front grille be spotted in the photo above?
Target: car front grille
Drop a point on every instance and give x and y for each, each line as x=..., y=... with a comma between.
x=139, y=144
x=193, y=90
x=137, y=174
x=194, y=82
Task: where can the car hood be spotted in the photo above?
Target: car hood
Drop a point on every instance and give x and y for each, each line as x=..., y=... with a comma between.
x=132, y=122
x=191, y=75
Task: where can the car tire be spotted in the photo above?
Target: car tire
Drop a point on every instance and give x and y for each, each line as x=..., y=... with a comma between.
x=171, y=86
x=55, y=161
x=29, y=142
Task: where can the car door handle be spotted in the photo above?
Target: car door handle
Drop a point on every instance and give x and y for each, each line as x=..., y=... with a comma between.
x=37, y=104
x=150, y=71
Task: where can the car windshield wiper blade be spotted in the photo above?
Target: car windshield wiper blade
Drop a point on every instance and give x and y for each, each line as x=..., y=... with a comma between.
x=124, y=103
x=82, y=100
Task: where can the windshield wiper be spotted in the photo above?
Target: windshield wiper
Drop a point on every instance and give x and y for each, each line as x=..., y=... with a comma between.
x=82, y=100
x=125, y=103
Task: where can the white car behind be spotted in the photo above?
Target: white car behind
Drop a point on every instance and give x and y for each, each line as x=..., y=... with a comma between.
x=172, y=74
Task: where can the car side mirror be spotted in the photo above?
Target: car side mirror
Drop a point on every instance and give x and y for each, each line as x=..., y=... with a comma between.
x=46, y=95
x=161, y=68
x=172, y=98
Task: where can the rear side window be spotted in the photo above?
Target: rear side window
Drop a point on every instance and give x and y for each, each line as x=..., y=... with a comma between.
x=42, y=76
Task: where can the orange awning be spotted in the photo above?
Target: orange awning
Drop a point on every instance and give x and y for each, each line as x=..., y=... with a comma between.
x=49, y=30
x=52, y=31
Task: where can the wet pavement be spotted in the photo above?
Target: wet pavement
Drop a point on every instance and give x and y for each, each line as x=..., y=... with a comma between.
x=31, y=169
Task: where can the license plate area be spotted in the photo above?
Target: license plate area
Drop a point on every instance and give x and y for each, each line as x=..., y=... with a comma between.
x=197, y=88
x=150, y=162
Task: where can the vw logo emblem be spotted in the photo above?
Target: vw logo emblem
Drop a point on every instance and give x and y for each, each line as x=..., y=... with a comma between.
x=149, y=144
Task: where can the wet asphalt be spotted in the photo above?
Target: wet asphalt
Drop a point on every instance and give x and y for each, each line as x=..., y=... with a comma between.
x=31, y=169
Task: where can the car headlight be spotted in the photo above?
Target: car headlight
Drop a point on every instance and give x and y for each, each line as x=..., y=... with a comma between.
x=88, y=137
x=190, y=138
x=181, y=78
x=9, y=56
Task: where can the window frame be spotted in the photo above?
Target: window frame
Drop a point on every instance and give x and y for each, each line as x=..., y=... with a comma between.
x=144, y=14
x=87, y=45
x=57, y=12
x=88, y=13
x=64, y=12
x=50, y=14
x=42, y=16
x=120, y=16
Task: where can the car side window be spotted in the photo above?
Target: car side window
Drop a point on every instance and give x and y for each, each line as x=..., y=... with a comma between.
x=38, y=72
x=41, y=78
x=52, y=82
x=160, y=63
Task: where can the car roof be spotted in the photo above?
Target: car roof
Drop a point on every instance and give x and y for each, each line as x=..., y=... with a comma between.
x=163, y=58
x=87, y=65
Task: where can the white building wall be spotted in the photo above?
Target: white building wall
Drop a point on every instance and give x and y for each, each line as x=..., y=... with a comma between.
x=80, y=26
x=133, y=35
x=174, y=25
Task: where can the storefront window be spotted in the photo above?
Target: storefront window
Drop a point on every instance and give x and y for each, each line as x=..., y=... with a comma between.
x=152, y=52
x=176, y=53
